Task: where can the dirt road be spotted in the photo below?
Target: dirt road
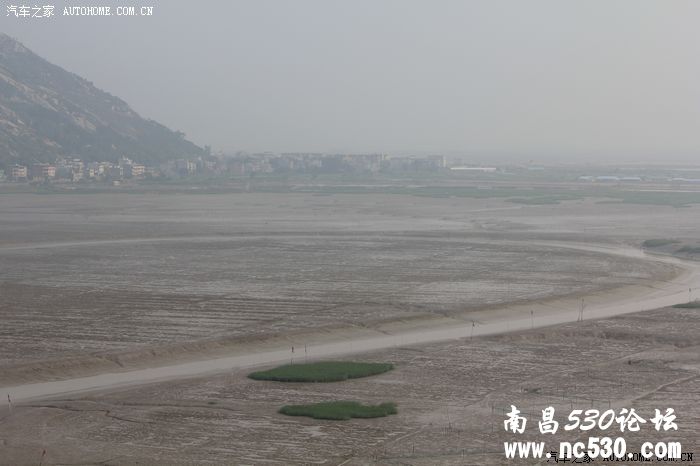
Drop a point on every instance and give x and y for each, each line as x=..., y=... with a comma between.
x=506, y=319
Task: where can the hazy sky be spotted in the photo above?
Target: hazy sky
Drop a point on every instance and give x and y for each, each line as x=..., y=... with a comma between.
x=543, y=80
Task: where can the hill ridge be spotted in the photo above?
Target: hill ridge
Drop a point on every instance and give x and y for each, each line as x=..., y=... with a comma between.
x=47, y=112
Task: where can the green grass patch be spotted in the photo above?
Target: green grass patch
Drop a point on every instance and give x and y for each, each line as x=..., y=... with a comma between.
x=657, y=243
x=545, y=200
x=663, y=198
x=339, y=410
x=533, y=201
x=437, y=191
x=689, y=250
x=691, y=305
x=325, y=371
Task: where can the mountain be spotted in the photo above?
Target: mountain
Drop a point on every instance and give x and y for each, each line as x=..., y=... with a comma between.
x=47, y=112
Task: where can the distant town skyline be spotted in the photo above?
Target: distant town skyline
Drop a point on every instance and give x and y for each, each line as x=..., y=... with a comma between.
x=488, y=80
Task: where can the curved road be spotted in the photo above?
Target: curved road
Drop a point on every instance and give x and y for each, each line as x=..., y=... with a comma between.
x=508, y=319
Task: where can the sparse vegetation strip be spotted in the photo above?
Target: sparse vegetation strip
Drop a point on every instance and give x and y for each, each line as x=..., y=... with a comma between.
x=340, y=410
x=325, y=371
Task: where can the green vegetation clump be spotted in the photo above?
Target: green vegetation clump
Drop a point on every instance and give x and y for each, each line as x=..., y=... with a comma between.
x=657, y=243
x=689, y=250
x=326, y=371
x=549, y=195
x=670, y=198
x=339, y=410
x=691, y=305
x=545, y=200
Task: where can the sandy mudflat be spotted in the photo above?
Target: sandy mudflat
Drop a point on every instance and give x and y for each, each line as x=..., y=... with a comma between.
x=111, y=284
x=451, y=398
x=343, y=341
x=100, y=283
